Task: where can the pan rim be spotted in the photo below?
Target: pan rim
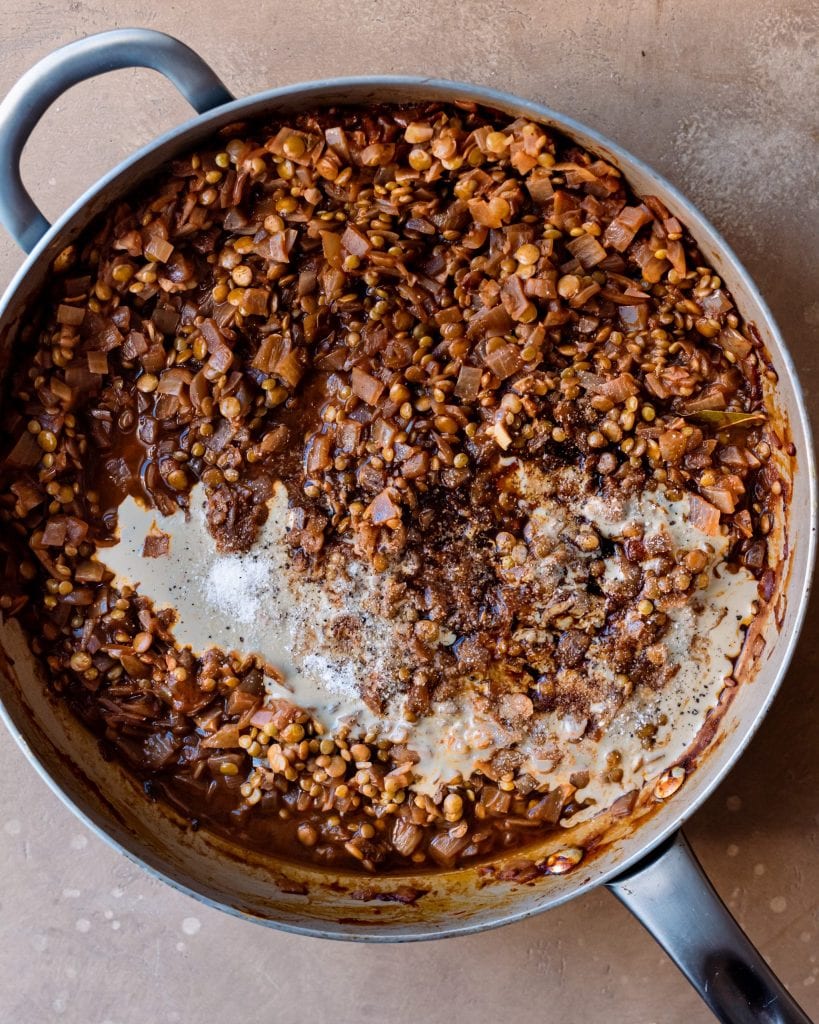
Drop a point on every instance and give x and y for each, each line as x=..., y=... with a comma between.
x=439, y=88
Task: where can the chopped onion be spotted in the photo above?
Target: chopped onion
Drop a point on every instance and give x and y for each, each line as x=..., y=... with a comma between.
x=539, y=185
x=254, y=301
x=55, y=532
x=135, y=345
x=515, y=300
x=71, y=316
x=355, y=241
x=415, y=465
x=331, y=246
x=89, y=571
x=621, y=231
x=469, y=383
x=365, y=386
x=445, y=846
x=703, y=515
x=174, y=381
x=337, y=141
x=672, y=445
x=489, y=323
x=634, y=317
x=319, y=453
x=406, y=836
x=383, y=432
x=27, y=494
x=383, y=509
x=348, y=436
x=159, y=249
x=588, y=250
x=503, y=361
x=289, y=368
x=619, y=388
x=378, y=154
x=97, y=362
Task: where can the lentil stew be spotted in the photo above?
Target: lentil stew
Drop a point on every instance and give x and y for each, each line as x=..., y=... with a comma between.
x=512, y=414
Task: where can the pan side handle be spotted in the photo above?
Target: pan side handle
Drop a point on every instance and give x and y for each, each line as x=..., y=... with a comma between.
x=32, y=95
x=670, y=895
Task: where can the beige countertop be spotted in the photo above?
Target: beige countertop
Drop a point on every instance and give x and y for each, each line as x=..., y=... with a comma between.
x=721, y=98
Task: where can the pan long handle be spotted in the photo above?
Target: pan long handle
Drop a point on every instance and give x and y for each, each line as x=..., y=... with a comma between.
x=669, y=893
x=46, y=81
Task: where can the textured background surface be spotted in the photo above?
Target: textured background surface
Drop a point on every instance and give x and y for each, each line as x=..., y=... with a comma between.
x=721, y=98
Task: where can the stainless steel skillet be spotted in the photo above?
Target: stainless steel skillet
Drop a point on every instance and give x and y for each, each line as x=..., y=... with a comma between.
x=648, y=865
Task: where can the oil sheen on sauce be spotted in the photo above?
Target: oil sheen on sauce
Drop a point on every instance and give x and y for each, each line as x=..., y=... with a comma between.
x=252, y=603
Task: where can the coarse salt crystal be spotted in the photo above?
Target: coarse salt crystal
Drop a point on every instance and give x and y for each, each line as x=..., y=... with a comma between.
x=236, y=585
